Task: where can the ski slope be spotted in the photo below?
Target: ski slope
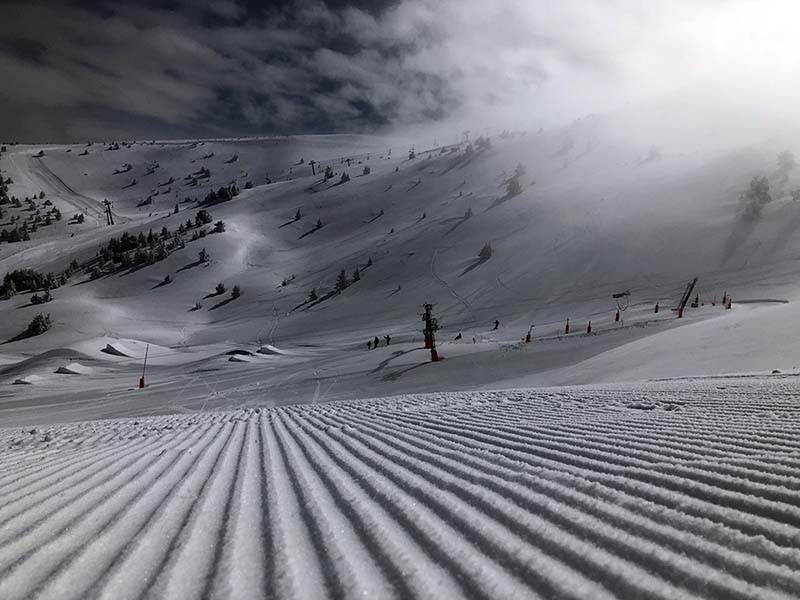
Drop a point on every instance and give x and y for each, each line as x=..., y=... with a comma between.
x=674, y=489
x=594, y=217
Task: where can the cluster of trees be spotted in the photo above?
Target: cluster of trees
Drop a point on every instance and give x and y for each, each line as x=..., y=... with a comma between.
x=43, y=216
x=221, y=289
x=18, y=234
x=342, y=282
x=758, y=195
x=223, y=194
x=755, y=198
x=482, y=143
x=43, y=299
x=202, y=173
x=29, y=280
x=513, y=185
x=145, y=249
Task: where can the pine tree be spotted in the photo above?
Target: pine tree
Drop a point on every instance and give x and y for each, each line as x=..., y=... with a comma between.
x=342, y=282
x=312, y=295
x=9, y=289
x=203, y=217
x=236, y=292
x=356, y=275
x=486, y=251
x=39, y=324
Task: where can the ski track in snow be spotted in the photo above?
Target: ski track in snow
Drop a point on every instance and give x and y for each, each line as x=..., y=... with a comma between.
x=669, y=489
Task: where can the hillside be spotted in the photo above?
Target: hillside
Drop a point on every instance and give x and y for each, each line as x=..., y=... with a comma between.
x=594, y=214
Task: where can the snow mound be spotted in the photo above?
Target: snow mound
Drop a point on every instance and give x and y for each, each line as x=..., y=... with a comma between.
x=241, y=358
x=118, y=349
x=28, y=380
x=74, y=369
x=270, y=349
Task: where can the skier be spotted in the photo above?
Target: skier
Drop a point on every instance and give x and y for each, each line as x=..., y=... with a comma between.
x=496, y=325
x=376, y=342
x=458, y=337
x=388, y=339
x=369, y=345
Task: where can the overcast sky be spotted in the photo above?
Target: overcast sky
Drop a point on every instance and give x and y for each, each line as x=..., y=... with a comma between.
x=96, y=69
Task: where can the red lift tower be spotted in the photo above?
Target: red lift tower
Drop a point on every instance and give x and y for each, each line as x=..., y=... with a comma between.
x=431, y=326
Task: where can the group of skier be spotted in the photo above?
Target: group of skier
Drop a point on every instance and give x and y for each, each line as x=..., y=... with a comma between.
x=372, y=344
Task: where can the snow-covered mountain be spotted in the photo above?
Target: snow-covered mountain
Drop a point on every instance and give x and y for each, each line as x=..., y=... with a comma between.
x=572, y=216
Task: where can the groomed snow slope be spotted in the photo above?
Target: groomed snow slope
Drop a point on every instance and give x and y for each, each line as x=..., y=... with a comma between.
x=665, y=490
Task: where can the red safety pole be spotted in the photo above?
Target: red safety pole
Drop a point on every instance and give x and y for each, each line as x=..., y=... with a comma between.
x=656, y=310
x=566, y=328
x=141, y=379
x=589, y=327
x=616, y=318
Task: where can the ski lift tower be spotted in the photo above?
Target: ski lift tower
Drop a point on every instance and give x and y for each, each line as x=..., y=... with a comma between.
x=685, y=298
x=431, y=326
x=623, y=301
x=109, y=214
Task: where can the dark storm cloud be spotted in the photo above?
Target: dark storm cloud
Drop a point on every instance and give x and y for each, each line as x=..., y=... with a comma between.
x=213, y=67
x=94, y=68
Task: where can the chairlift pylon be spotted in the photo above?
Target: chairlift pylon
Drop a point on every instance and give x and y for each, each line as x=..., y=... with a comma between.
x=622, y=299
